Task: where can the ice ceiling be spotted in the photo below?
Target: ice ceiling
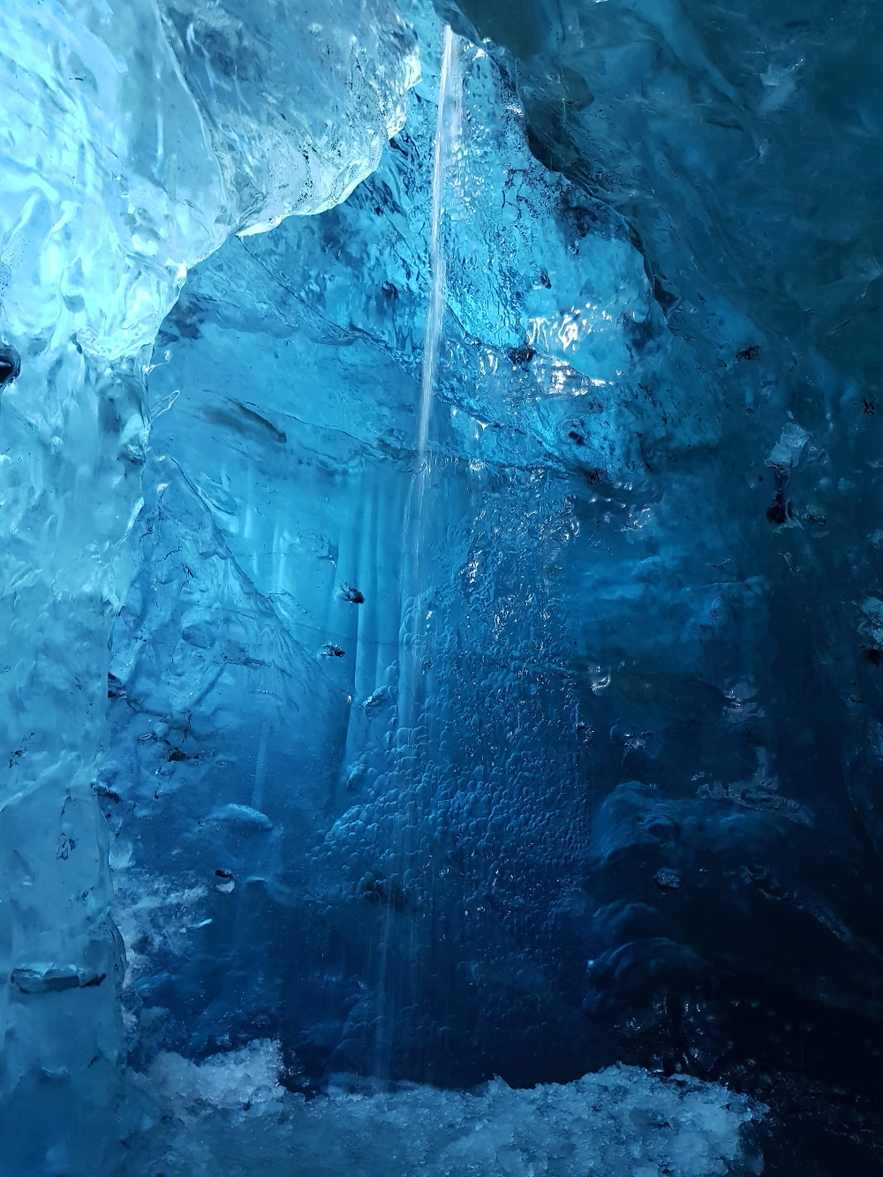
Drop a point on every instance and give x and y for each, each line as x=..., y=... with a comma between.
x=441, y=545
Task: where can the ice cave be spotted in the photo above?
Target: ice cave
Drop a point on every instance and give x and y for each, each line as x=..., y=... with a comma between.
x=441, y=685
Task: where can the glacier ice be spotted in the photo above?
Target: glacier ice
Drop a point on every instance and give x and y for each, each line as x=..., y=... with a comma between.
x=132, y=147
x=441, y=551
x=230, y=1113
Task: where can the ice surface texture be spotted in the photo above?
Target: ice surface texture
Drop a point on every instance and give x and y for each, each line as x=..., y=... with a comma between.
x=738, y=143
x=736, y=146
x=391, y=875
x=633, y=816
x=571, y=755
x=133, y=144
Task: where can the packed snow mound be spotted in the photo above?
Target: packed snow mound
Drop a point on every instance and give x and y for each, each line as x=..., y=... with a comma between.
x=622, y=1122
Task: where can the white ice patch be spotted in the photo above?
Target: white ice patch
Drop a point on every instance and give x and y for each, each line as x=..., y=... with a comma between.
x=228, y=1116
x=787, y=450
x=248, y=1076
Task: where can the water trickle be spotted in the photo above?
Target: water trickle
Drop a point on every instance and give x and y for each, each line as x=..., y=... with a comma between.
x=447, y=132
x=447, y=129
x=401, y=948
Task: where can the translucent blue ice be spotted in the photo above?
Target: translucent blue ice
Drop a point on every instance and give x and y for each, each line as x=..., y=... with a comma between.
x=439, y=529
x=136, y=137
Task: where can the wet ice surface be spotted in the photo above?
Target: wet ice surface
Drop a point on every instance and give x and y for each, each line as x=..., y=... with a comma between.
x=492, y=564
x=543, y=776
x=228, y=1116
x=137, y=137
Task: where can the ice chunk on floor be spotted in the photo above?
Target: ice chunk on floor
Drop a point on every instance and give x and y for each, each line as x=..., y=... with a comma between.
x=249, y=1076
x=229, y=1115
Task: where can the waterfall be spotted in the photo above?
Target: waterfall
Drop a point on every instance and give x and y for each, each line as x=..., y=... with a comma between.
x=400, y=979
x=447, y=129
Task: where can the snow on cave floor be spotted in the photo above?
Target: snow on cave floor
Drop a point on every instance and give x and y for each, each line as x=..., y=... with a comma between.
x=229, y=1117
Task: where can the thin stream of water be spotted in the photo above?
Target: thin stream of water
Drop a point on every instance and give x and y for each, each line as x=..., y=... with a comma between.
x=447, y=132
x=399, y=977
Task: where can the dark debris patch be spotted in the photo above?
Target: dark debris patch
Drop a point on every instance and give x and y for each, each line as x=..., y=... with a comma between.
x=10, y=365
x=521, y=356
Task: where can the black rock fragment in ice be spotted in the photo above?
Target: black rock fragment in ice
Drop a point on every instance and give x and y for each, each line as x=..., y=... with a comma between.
x=10, y=365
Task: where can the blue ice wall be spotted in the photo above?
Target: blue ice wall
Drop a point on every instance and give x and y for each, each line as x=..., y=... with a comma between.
x=378, y=839
x=132, y=146
x=337, y=760
x=737, y=147
x=571, y=764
